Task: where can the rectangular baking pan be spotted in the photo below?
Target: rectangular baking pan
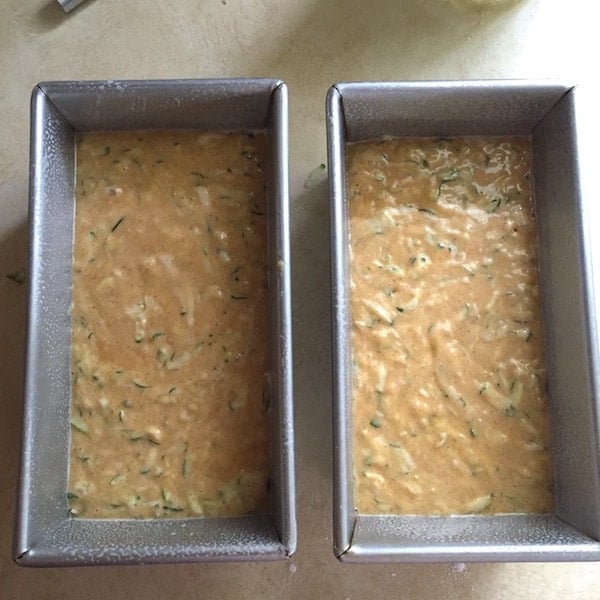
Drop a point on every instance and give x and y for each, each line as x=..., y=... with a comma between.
x=552, y=114
x=45, y=535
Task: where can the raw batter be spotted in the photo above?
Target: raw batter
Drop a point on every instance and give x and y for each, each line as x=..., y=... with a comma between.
x=169, y=326
x=449, y=408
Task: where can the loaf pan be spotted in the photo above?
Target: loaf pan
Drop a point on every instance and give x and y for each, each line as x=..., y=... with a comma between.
x=552, y=115
x=45, y=535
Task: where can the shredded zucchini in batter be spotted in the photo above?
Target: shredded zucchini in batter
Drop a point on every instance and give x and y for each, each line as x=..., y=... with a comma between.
x=169, y=326
x=449, y=409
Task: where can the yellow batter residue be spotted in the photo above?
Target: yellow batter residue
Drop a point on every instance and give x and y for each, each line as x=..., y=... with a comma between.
x=169, y=326
x=449, y=413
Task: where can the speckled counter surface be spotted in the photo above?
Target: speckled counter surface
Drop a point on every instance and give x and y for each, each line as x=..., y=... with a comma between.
x=310, y=44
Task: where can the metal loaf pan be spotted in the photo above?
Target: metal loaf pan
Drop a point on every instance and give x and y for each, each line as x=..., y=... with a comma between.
x=45, y=534
x=551, y=114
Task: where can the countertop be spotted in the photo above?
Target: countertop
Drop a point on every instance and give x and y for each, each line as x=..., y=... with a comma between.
x=310, y=44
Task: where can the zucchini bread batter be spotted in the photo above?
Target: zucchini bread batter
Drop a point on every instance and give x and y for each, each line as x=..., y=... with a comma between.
x=169, y=326
x=449, y=410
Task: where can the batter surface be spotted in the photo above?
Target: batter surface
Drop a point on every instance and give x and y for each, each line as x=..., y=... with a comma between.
x=449, y=409
x=169, y=326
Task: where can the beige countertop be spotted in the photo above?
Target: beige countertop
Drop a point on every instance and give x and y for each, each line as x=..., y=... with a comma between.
x=310, y=44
